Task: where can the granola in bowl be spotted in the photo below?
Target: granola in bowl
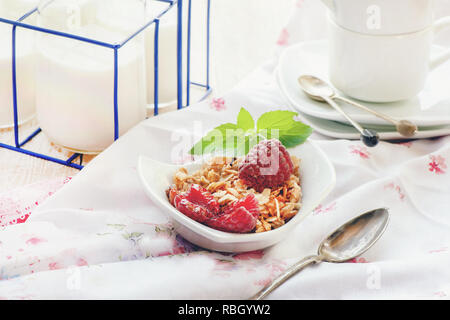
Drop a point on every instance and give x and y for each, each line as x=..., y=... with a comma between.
x=241, y=195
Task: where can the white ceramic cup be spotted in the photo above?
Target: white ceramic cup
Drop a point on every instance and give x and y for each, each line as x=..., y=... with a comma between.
x=380, y=68
x=382, y=17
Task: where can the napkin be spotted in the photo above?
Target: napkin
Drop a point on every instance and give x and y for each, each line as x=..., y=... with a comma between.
x=17, y=205
x=101, y=237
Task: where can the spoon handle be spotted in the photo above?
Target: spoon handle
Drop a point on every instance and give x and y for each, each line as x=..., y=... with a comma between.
x=363, y=107
x=285, y=276
x=343, y=113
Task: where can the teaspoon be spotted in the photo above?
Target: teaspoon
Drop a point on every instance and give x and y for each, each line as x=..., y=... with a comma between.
x=349, y=241
x=318, y=90
x=315, y=86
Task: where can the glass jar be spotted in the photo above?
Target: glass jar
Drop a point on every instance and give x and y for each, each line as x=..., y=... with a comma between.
x=112, y=18
x=75, y=79
x=167, y=59
x=25, y=64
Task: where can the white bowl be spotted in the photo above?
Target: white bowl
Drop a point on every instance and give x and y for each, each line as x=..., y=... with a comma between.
x=317, y=180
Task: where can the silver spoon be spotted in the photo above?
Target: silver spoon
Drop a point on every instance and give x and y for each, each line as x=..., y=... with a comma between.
x=349, y=241
x=318, y=90
x=313, y=86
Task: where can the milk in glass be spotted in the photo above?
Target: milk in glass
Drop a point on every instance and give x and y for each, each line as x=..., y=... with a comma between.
x=25, y=64
x=75, y=80
x=167, y=54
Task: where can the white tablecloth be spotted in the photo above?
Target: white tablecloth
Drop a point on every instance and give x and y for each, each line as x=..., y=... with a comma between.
x=101, y=237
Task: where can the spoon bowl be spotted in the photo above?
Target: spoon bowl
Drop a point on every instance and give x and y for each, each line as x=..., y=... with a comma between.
x=355, y=237
x=347, y=242
x=315, y=88
x=319, y=90
x=406, y=128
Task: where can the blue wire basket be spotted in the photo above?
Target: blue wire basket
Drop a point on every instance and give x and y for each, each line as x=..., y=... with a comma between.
x=19, y=145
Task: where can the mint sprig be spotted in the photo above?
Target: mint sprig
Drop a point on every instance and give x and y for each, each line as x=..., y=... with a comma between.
x=237, y=139
x=245, y=120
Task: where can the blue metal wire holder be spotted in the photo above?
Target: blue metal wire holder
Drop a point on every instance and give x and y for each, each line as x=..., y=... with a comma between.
x=19, y=145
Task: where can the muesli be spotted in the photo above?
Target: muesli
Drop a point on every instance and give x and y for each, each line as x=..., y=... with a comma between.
x=256, y=193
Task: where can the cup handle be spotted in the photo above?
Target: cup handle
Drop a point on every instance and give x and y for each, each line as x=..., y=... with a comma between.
x=439, y=26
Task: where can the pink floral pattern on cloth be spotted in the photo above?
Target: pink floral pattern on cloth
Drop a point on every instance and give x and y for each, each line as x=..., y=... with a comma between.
x=437, y=164
x=17, y=205
x=407, y=144
x=397, y=189
x=258, y=254
x=299, y=3
x=275, y=268
x=440, y=294
x=183, y=159
x=321, y=209
x=439, y=250
x=218, y=104
x=360, y=151
x=358, y=260
x=283, y=39
x=35, y=241
x=133, y=239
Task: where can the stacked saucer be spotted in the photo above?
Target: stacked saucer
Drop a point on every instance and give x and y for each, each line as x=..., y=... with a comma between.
x=430, y=110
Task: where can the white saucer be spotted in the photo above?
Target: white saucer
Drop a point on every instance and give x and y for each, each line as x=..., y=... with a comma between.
x=341, y=130
x=430, y=108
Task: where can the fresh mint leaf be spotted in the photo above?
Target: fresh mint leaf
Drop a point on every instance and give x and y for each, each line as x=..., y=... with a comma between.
x=233, y=139
x=237, y=139
x=276, y=120
x=245, y=120
x=214, y=140
x=282, y=126
x=246, y=144
x=270, y=133
x=295, y=135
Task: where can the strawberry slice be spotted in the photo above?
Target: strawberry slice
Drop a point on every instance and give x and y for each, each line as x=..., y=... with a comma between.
x=171, y=193
x=201, y=206
x=239, y=220
x=198, y=204
x=204, y=198
x=249, y=202
x=192, y=210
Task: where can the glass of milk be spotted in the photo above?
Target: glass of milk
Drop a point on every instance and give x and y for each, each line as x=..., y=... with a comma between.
x=167, y=57
x=25, y=64
x=15, y=9
x=75, y=79
x=113, y=19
